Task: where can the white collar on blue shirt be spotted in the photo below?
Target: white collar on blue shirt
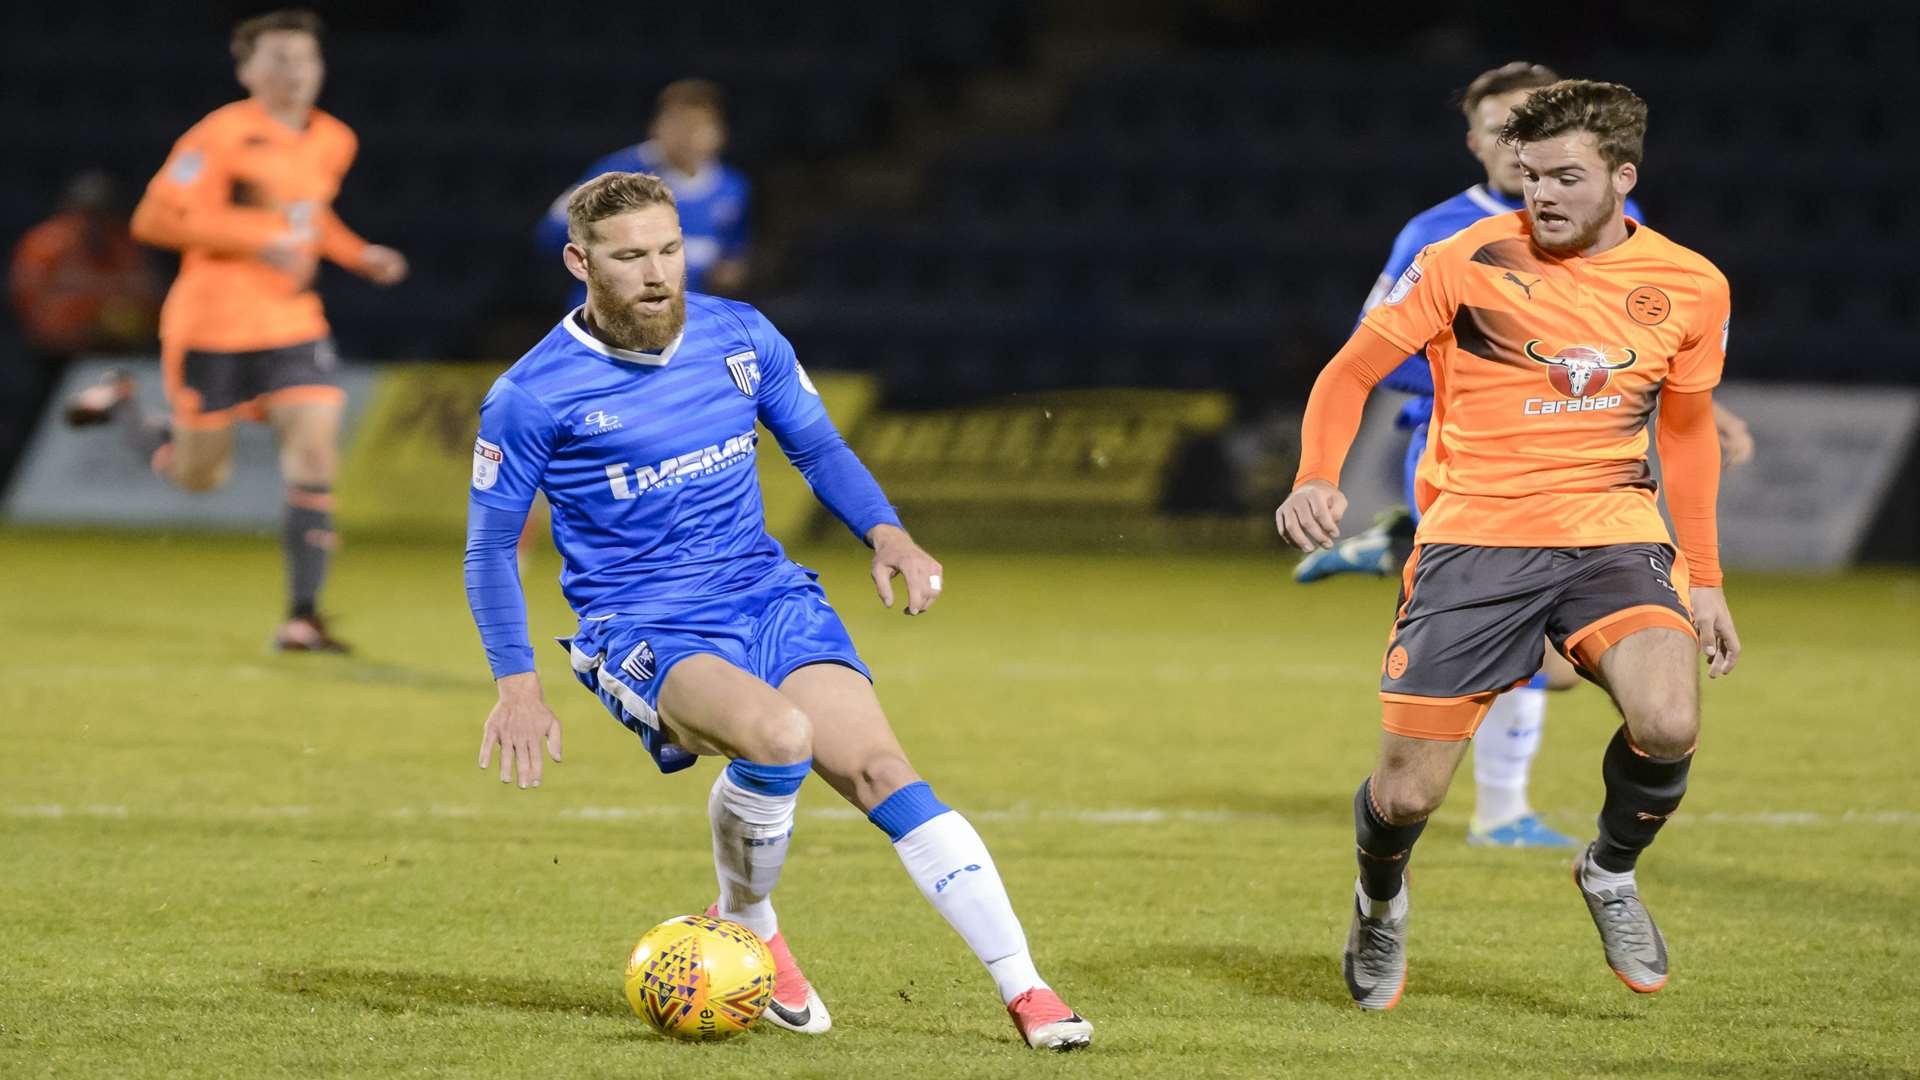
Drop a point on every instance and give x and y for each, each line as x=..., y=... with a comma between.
x=576, y=325
x=1488, y=201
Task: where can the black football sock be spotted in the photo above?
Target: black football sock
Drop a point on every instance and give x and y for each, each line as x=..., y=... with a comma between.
x=1641, y=792
x=1382, y=847
x=308, y=540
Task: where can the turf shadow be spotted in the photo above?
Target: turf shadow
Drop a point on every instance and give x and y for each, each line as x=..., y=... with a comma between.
x=419, y=991
x=1315, y=977
x=1262, y=971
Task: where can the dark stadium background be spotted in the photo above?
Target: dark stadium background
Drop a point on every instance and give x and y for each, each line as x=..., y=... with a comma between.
x=985, y=196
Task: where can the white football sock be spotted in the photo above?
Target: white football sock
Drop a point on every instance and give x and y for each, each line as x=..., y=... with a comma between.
x=1395, y=908
x=751, y=832
x=949, y=862
x=1503, y=752
x=1598, y=880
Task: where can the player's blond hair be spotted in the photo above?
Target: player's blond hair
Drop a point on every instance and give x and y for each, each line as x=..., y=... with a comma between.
x=1614, y=115
x=612, y=194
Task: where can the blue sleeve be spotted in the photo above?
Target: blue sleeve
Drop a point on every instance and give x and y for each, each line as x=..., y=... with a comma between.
x=509, y=457
x=838, y=479
x=493, y=587
x=733, y=242
x=791, y=408
x=1632, y=210
x=510, y=454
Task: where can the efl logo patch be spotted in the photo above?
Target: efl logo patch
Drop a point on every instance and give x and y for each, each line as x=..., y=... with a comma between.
x=486, y=464
x=1405, y=285
x=186, y=168
x=805, y=383
x=745, y=369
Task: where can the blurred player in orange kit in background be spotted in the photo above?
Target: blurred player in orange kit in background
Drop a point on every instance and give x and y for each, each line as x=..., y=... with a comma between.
x=246, y=198
x=79, y=282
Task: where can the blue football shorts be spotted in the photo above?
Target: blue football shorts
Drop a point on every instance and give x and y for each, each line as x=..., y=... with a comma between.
x=768, y=633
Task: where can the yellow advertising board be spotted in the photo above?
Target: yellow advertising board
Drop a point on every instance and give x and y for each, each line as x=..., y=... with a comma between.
x=410, y=460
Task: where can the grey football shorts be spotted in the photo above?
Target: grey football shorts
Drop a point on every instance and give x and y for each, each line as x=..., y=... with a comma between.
x=211, y=389
x=1474, y=620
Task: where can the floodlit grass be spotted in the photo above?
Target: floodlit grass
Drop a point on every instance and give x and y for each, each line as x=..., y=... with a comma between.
x=220, y=862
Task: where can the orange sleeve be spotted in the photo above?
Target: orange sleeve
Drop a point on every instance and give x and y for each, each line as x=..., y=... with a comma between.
x=339, y=243
x=1690, y=468
x=1703, y=355
x=1338, y=400
x=189, y=203
x=1422, y=302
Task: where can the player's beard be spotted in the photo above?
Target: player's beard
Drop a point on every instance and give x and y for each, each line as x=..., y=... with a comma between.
x=1590, y=229
x=622, y=322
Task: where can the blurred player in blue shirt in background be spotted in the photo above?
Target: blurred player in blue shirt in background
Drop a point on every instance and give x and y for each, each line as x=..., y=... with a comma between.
x=683, y=149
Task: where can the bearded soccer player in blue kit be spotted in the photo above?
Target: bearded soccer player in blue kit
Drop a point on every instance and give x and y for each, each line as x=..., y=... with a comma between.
x=1509, y=738
x=635, y=416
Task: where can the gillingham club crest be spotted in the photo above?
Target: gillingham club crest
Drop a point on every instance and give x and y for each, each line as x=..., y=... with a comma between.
x=745, y=369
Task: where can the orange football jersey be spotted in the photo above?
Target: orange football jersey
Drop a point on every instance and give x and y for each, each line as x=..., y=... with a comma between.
x=1545, y=372
x=236, y=182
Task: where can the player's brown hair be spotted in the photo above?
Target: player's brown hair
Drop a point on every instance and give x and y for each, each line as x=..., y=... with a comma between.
x=247, y=33
x=691, y=94
x=1506, y=78
x=611, y=194
x=1609, y=112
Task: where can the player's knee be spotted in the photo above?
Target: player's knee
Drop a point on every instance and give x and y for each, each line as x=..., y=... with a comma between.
x=201, y=476
x=1665, y=733
x=1403, y=800
x=309, y=465
x=778, y=736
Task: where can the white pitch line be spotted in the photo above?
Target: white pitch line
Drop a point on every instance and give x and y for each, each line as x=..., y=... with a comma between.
x=1776, y=819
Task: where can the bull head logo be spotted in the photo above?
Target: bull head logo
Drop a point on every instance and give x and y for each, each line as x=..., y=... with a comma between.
x=1579, y=371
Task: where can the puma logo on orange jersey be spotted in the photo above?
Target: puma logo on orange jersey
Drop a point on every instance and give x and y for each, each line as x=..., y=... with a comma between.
x=1525, y=286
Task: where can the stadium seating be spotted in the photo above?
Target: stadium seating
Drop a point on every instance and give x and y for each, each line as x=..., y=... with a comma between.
x=471, y=117
x=1194, y=217
x=1212, y=217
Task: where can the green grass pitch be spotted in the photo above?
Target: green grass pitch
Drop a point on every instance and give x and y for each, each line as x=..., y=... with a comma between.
x=219, y=862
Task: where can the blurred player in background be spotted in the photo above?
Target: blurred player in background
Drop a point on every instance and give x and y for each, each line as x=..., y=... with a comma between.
x=79, y=281
x=683, y=149
x=1553, y=333
x=1509, y=738
x=246, y=197
x=635, y=416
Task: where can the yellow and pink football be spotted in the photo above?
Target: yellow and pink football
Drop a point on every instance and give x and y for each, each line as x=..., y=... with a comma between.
x=698, y=978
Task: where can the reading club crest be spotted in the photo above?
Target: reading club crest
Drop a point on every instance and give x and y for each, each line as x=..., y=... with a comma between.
x=745, y=369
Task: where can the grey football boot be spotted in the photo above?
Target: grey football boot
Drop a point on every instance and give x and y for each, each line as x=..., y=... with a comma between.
x=1375, y=962
x=1636, y=951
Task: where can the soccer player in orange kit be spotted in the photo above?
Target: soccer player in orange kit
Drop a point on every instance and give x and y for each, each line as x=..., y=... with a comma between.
x=246, y=197
x=1552, y=333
